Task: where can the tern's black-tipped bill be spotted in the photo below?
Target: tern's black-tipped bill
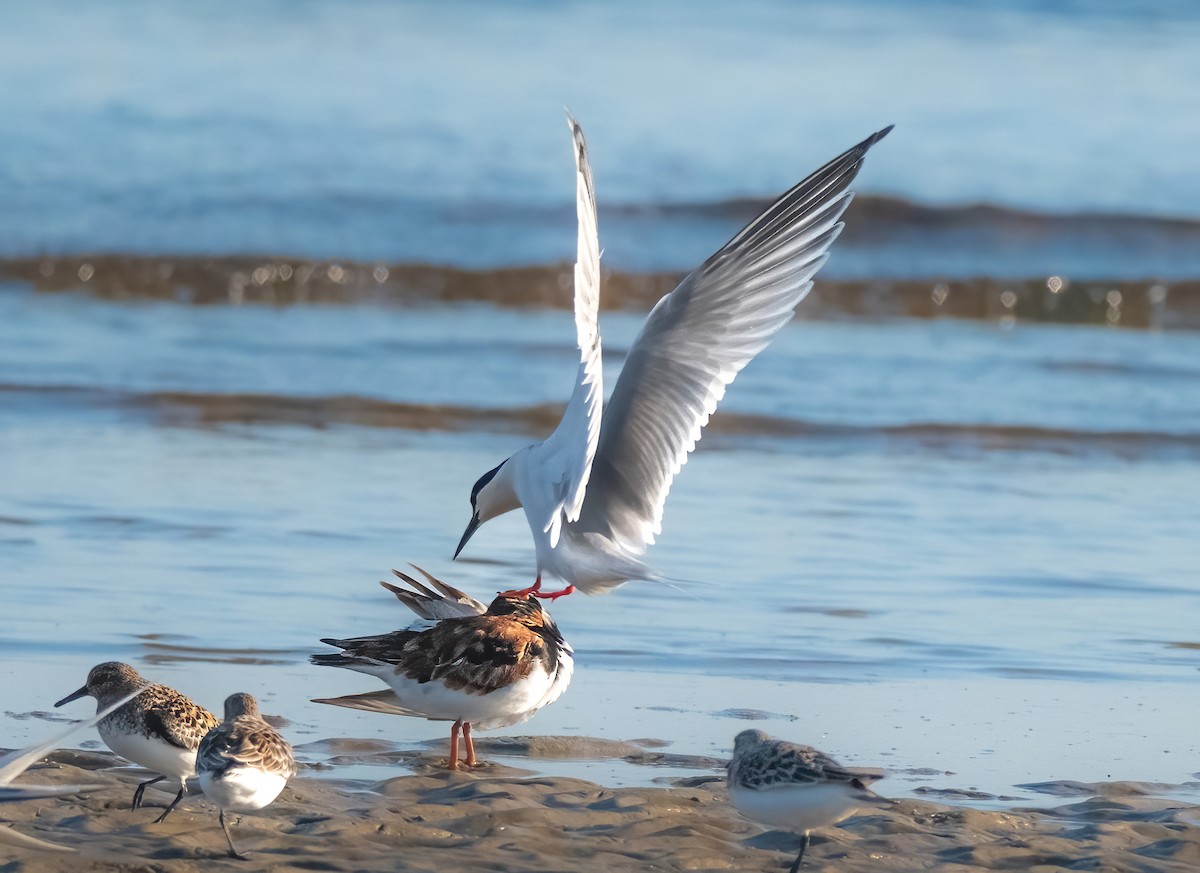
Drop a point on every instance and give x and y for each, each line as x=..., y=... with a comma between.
x=468, y=533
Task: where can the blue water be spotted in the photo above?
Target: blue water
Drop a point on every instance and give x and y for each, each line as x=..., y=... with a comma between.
x=435, y=132
x=925, y=473
x=995, y=514
x=941, y=526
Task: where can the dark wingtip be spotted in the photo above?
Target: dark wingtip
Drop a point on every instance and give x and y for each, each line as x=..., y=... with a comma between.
x=875, y=137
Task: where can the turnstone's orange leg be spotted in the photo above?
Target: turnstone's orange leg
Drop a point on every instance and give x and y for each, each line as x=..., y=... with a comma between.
x=554, y=595
x=453, y=765
x=470, y=743
x=525, y=592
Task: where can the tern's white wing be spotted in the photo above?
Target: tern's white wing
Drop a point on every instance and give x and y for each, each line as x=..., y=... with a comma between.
x=697, y=339
x=16, y=762
x=9, y=837
x=564, y=460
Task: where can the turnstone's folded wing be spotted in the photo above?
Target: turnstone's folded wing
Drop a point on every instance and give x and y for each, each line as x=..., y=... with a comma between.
x=477, y=655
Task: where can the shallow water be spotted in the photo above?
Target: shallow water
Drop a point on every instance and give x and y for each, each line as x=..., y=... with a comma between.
x=966, y=507
x=964, y=550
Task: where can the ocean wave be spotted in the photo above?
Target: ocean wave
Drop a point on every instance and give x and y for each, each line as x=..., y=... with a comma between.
x=876, y=214
x=727, y=429
x=247, y=279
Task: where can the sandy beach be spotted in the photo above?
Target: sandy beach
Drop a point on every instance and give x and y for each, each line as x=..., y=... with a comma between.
x=502, y=819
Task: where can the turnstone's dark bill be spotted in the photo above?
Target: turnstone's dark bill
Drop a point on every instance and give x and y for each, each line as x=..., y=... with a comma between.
x=476, y=666
x=795, y=787
x=159, y=729
x=243, y=763
x=593, y=491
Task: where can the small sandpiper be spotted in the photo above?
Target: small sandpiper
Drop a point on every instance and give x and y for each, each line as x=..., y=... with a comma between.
x=796, y=787
x=243, y=763
x=160, y=729
x=476, y=666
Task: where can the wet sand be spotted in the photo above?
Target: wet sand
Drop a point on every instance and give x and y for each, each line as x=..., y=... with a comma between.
x=502, y=819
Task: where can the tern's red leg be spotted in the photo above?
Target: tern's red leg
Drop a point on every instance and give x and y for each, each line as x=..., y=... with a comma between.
x=554, y=595
x=470, y=743
x=525, y=592
x=453, y=765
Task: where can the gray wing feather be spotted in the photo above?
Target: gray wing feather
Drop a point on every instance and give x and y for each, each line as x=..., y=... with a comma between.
x=9, y=793
x=569, y=451
x=14, y=763
x=10, y=837
x=384, y=701
x=697, y=339
x=446, y=602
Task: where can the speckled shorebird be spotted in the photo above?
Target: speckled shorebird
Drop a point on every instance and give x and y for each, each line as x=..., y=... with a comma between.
x=475, y=665
x=243, y=763
x=160, y=729
x=796, y=787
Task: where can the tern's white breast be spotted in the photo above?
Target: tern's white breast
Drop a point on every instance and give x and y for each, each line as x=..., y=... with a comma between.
x=241, y=789
x=152, y=753
x=590, y=562
x=796, y=807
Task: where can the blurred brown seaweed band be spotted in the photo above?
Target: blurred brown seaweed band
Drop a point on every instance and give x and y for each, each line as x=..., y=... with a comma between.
x=239, y=279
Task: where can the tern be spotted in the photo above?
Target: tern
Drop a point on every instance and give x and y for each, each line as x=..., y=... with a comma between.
x=593, y=491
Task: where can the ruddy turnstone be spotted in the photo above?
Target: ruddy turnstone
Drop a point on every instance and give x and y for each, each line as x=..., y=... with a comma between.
x=159, y=729
x=243, y=763
x=476, y=666
x=796, y=787
x=593, y=491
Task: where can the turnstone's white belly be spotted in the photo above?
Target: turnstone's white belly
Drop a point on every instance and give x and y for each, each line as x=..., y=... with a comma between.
x=509, y=705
